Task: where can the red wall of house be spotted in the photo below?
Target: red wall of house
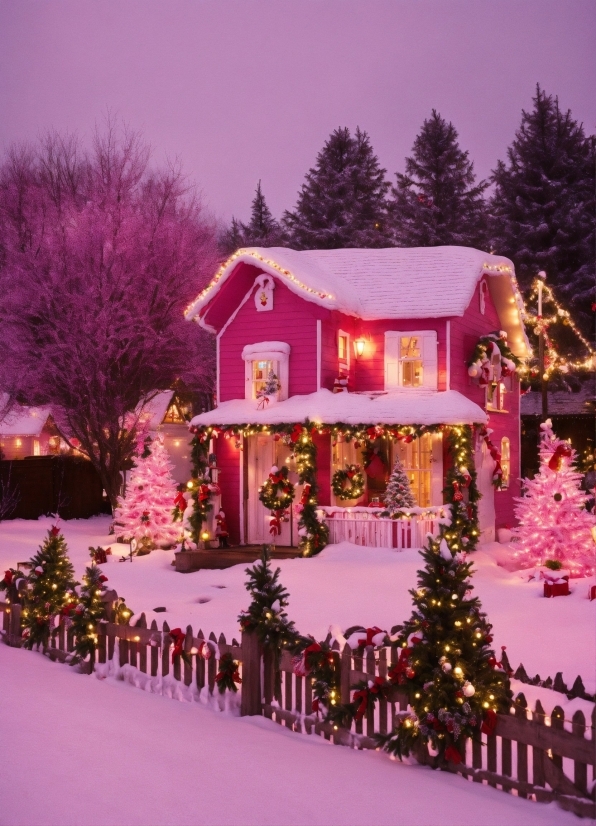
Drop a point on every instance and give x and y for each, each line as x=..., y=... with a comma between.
x=323, y=446
x=292, y=320
x=465, y=332
x=229, y=461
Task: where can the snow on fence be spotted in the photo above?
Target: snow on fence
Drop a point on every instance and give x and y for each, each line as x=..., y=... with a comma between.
x=533, y=753
x=364, y=526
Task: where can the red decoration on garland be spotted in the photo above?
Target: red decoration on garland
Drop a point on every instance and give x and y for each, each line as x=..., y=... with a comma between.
x=457, y=494
x=177, y=636
x=452, y=755
x=555, y=461
x=376, y=688
x=489, y=722
x=305, y=494
x=8, y=577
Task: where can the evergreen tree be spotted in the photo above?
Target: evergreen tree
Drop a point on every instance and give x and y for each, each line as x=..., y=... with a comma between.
x=145, y=512
x=437, y=201
x=261, y=231
x=342, y=203
x=543, y=210
x=51, y=590
x=455, y=684
x=553, y=521
x=87, y=613
x=399, y=493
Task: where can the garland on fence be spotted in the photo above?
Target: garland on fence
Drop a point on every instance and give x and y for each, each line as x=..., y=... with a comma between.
x=348, y=483
x=12, y=582
x=228, y=676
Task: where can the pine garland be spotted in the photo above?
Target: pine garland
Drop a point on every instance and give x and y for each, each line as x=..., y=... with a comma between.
x=199, y=457
x=228, y=677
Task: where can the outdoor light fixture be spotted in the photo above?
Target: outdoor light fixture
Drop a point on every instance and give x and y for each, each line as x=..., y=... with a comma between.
x=359, y=345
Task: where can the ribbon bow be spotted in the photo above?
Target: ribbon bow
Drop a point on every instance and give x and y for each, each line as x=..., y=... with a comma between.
x=375, y=688
x=177, y=636
x=263, y=402
x=561, y=451
x=370, y=633
x=275, y=524
x=180, y=501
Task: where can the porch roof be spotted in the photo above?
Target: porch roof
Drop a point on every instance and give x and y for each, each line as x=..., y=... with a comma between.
x=398, y=407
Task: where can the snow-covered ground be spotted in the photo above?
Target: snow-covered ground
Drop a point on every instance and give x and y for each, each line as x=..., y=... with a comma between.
x=345, y=585
x=77, y=751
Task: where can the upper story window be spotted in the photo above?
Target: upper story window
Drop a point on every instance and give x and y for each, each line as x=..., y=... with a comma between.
x=411, y=360
x=260, y=360
x=495, y=395
x=505, y=462
x=343, y=349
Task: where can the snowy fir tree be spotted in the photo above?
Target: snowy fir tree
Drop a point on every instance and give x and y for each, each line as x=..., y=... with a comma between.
x=543, y=209
x=88, y=611
x=553, y=521
x=261, y=231
x=455, y=685
x=437, y=201
x=145, y=512
x=399, y=493
x=271, y=386
x=51, y=591
x=342, y=202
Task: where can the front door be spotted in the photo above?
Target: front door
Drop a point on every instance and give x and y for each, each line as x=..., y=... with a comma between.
x=263, y=453
x=485, y=466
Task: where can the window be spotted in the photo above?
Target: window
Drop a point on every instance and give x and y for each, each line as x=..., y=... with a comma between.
x=505, y=462
x=259, y=360
x=495, y=396
x=411, y=360
x=343, y=350
x=417, y=458
x=36, y=447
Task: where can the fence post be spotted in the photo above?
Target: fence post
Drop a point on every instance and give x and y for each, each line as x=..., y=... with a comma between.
x=250, y=701
x=14, y=626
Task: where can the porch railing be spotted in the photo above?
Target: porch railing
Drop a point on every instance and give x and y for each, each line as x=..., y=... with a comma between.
x=365, y=526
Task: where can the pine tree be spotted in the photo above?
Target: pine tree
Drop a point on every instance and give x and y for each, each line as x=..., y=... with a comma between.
x=342, y=203
x=271, y=386
x=437, y=201
x=543, y=212
x=553, y=521
x=87, y=613
x=145, y=512
x=51, y=591
x=399, y=493
x=261, y=231
x=455, y=684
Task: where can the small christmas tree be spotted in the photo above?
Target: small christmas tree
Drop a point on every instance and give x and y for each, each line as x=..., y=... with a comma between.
x=87, y=613
x=553, y=521
x=271, y=387
x=145, y=512
x=51, y=590
x=455, y=684
x=399, y=493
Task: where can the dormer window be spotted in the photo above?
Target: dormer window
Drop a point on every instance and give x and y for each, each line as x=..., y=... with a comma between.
x=260, y=361
x=411, y=360
x=261, y=370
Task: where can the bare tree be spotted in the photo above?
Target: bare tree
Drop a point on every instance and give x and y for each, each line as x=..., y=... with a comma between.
x=99, y=255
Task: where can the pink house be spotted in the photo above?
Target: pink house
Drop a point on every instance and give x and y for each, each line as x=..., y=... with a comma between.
x=394, y=330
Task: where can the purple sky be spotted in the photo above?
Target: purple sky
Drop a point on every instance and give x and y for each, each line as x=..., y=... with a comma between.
x=251, y=89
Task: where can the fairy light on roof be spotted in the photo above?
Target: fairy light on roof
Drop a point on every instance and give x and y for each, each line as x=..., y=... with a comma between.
x=269, y=262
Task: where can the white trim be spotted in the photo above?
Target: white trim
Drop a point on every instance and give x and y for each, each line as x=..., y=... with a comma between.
x=234, y=314
x=319, y=353
x=244, y=444
x=448, y=346
x=272, y=350
x=217, y=391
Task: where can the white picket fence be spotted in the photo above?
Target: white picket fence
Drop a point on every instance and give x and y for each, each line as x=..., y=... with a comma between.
x=364, y=526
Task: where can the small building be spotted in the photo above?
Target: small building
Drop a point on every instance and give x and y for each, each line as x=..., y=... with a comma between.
x=28, y=431
x=168, y=416
x=395, y=330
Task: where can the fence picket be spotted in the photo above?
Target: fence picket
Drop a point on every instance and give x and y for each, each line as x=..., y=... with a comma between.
x=212, y=667
x=188, y=665
x=537, y=753
x=200, y=663
x=371, y=670
x=557, y=722
x=522, y=749
x=580, y=770
x=165, y=650
x=154, y=648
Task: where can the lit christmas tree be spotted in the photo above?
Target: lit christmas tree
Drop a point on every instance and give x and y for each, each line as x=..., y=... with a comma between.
x=271, y=387
x=553, y=521
x=87, y=613
x=145, y=512
x=398, y=494
x=51, y=591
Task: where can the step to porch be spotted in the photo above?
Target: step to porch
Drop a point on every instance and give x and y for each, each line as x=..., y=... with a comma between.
x=188, y=561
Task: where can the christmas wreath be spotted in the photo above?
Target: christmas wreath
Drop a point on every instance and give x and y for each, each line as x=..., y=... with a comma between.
x=348, y=483
x=480, y=365
x=277, y=492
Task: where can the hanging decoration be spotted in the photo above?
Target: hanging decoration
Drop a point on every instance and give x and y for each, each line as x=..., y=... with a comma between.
x=493, y=359
x=277, y=492
x=495, y=454
x=348, y=483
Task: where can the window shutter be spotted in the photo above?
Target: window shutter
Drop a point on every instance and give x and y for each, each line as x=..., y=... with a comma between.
x=392, y=360
x=429, y=339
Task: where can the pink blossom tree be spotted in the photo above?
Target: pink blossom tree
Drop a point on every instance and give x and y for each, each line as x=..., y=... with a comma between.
x=553, y=521
x=99, y=255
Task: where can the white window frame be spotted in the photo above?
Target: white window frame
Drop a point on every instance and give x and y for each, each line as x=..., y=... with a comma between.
x=394, y=362
x=344, y=364
x=276, y=351
x=505, y=462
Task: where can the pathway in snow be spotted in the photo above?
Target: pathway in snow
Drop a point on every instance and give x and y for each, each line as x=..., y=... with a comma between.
x=77, y=751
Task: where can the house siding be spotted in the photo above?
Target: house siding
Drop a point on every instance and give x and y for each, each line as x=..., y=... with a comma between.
x=229, y=459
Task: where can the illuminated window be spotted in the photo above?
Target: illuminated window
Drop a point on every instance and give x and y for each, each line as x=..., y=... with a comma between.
x=495, y=396
x=343, y=350
x=262, y=359
x=505, y=462
x=410, y=360
x=260, y=373
x=416, y=458
x=410, y=357
x=36, y=448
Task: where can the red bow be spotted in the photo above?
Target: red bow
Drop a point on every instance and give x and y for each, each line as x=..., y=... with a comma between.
x=103, y=578
x=55, y=530
x=562, y=450
x=275, y=524
x=365, y=694
x=401, y=668
x=203, y=493
x=180, y=501
x=305, y=494
x=489, y=722
x=177, y=636
x=296, y=433
x=263, y=402
x=8, y=577
x=452, y=755
x=222, y=674
x=457, y=494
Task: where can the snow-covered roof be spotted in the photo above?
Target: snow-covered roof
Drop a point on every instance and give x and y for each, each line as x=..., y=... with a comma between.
x=398, y=407
x=396, y=282
x=24, y=421
x=156, y=409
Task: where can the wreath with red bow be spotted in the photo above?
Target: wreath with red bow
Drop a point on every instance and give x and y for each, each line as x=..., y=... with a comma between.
x=277, y=492
x=348, y=483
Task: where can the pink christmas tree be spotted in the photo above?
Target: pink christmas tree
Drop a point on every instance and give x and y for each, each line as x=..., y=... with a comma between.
x=553, y=521
x=145, y=512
